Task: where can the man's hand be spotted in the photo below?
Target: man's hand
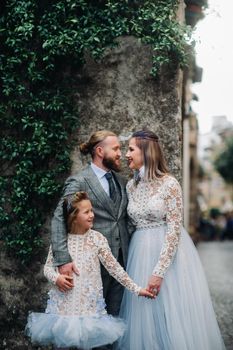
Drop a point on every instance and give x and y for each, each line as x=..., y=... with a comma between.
x=64, y=283
x=68, y=269
x=154, y=284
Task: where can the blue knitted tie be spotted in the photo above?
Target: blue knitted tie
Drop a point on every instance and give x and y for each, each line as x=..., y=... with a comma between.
x=112, y=189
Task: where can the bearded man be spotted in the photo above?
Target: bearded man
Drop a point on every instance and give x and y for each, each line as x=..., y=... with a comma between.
x=106, y=190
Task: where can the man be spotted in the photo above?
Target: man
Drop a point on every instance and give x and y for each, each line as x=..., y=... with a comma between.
x=106, y=190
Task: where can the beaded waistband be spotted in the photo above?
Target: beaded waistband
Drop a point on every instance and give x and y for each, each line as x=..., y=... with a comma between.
x=151, y=225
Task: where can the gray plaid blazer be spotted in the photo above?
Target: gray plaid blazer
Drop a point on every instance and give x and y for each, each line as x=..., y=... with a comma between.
x=110, y=219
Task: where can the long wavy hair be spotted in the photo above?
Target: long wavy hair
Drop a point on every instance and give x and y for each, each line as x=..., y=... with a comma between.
x=154, y=161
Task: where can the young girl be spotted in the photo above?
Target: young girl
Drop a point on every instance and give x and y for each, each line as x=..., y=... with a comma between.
x=77, y=317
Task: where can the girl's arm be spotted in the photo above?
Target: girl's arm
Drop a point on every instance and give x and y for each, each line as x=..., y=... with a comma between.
x=117, y=271
x=49, y=270
x=63, y=282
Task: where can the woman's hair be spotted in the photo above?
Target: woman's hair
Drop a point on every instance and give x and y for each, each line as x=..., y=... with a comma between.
x=95, y=139
x=154, y=161
x=70, y=207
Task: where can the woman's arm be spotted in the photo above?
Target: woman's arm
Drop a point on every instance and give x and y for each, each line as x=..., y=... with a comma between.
x=174, y=206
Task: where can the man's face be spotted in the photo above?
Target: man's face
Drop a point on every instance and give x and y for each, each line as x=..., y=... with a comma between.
x=112, y=153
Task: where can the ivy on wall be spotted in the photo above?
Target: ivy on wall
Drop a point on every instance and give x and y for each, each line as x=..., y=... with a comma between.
x=42, y=46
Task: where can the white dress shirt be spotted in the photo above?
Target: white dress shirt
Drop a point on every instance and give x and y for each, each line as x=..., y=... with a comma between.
x=100, y=173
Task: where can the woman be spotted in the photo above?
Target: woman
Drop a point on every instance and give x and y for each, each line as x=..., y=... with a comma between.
x=163, y=257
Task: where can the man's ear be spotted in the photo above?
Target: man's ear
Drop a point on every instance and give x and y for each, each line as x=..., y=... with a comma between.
x=99, y=151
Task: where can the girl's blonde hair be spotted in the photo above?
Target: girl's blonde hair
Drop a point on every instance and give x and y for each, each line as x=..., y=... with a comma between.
x=154, y=161
x=95, y=139
x=70, y=207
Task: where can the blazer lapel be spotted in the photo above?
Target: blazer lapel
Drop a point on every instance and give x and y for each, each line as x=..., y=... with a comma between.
x=99, y=192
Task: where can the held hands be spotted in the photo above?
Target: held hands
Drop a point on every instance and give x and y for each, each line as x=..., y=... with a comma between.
x=64, y=283
x=68, y=269
x=65, y=279
x=154, y=284
x=145, y=293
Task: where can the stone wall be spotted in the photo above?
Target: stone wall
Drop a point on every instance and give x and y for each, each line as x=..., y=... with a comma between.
x=117, y=93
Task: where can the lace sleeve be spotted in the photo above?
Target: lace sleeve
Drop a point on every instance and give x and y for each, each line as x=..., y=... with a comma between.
x=173, y=202
x=114, y=268
x=49, y=270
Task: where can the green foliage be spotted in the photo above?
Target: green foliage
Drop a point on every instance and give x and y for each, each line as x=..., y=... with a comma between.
x=224, y=162
x=42, y=47
x=155, y=24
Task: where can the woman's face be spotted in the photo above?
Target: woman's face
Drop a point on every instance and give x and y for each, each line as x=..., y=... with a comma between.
x=134, y=155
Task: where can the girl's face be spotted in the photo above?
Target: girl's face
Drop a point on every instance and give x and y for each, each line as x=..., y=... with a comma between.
x=134, y=155
x=84, y=217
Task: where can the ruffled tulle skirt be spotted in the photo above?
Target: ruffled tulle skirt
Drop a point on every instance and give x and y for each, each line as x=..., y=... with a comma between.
x=74, y=331
x=182, y=316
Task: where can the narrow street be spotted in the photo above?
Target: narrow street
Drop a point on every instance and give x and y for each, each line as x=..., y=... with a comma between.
x=217, y=259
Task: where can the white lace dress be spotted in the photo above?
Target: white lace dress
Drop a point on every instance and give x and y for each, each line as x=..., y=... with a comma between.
x=78, y=317
x=182, y=316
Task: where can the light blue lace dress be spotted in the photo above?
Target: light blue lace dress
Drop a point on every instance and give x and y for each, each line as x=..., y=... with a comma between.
x=182, y=316
x=78, y=318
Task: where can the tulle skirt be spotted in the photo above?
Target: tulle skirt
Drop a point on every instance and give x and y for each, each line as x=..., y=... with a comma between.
x=182, y=316
x=74, y=331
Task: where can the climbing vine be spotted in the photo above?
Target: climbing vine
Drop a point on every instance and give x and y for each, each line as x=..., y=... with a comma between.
x=42, y=47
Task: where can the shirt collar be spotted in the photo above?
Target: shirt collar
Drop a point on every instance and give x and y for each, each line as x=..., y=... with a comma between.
x=139, y=174
x=142, y=172
x=98, y=171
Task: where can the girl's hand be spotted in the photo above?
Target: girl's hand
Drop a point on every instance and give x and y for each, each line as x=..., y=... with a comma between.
x=154, y=284
x=64, y=283
x=145, y=293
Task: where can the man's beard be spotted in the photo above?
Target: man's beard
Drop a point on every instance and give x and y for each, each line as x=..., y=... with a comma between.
x=109, y=163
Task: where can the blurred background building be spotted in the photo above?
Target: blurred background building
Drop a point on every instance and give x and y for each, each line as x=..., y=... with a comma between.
x=207, y=196
x=194, y=12
x=216, y=193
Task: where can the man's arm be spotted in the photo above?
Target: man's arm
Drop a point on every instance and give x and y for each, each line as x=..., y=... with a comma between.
x=130, y=226
x=58, y=231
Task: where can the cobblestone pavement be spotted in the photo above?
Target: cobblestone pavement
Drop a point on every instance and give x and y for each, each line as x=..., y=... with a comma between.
x=217, y=260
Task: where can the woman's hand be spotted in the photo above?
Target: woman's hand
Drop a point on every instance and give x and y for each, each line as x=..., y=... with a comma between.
x=64, y=282
x=154, y=284
x=145, y=293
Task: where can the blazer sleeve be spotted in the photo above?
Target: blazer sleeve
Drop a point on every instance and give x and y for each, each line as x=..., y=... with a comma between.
x=58, y=231
x=130, y=226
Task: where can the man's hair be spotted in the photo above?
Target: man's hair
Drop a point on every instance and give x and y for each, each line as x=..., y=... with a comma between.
x=94, y=140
